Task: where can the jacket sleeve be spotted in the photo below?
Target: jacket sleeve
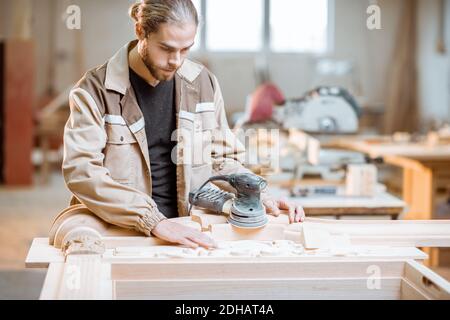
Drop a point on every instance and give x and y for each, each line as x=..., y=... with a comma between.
x=228, y=153
x=87, y=178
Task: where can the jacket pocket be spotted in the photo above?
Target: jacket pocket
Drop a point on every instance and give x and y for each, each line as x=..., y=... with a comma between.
x=206, y=124
x=121, y=153
x=207, y=112
x=199, y=175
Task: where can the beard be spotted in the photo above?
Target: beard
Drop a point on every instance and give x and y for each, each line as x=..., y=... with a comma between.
x=160, y=73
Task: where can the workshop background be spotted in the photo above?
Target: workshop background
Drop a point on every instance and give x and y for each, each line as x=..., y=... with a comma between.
x=399, y=75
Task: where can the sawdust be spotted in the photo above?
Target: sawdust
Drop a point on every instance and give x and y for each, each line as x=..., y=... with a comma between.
x=244, y=248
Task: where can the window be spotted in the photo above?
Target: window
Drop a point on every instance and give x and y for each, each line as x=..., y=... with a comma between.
x=234, y=25
x=254, y=25
x=299, y=25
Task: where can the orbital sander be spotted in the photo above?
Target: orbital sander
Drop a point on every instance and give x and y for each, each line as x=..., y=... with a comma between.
x=244, y=209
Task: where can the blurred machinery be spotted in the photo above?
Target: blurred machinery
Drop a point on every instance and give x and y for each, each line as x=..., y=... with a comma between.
x=303, y=122
x=330, y=110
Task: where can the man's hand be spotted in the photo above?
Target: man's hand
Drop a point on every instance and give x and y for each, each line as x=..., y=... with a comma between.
x=178, y=233
x=274, y=207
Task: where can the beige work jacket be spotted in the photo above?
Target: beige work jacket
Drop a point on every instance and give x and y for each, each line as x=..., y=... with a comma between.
x=106, y=163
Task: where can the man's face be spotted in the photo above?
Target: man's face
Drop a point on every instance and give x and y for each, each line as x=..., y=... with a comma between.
x=163, y=52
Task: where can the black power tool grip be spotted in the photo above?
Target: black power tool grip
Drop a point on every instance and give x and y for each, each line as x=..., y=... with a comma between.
x=210, y=199
x=248, y=188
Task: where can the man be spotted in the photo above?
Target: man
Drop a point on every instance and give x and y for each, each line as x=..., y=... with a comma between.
x=123, y=157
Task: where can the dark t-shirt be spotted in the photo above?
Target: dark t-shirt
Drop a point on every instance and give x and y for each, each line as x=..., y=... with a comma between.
x=158, y=106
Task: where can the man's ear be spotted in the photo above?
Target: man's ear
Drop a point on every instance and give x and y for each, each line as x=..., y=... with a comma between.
x=140, y=34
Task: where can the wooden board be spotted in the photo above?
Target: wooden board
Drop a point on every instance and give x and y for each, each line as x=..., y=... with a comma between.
x=41, y=254
x=250, y=289
x=254, y=268
x=81, y=277
x=432, y=233
x=426, y=282
x=251, y=264
x=333, y=235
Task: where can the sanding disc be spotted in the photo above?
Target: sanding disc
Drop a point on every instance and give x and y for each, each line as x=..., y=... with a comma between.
x=246, y=222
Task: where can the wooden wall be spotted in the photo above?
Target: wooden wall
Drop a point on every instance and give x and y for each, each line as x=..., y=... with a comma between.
x=17, y=93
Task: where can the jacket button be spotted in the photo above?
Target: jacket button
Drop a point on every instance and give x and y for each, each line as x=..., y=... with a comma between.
x=121, y=139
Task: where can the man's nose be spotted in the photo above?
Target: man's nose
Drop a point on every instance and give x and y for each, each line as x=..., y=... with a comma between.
x=175, y=60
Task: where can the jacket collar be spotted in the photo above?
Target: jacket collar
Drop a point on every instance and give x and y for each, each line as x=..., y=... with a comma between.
x=117, y=74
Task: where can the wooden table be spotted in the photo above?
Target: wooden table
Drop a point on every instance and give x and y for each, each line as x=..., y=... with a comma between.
x=327, y=260
x=382, y=204
x=426, y=169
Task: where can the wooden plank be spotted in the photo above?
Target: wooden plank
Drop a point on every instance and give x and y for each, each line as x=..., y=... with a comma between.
x=428, y=282
x=311, y=281
x=355, y=240
x=250, y=289
x=338, y=255
x=254, y=269
x=96, y=279
x=380, y=227
x=408, y=291
x=52, y=281
x=106, y=284
x=361, y=233
x=82, y=278
x=376, y=212
x=114, y=242
x=434, y=233
x=402, y=241
x=41, y=254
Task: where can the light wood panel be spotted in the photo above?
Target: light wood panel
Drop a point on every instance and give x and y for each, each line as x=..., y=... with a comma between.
x=250, y=289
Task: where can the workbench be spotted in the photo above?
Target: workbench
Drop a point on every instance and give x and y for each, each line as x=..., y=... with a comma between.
x=319, y=259
x=426, y=169
x=382, y=204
